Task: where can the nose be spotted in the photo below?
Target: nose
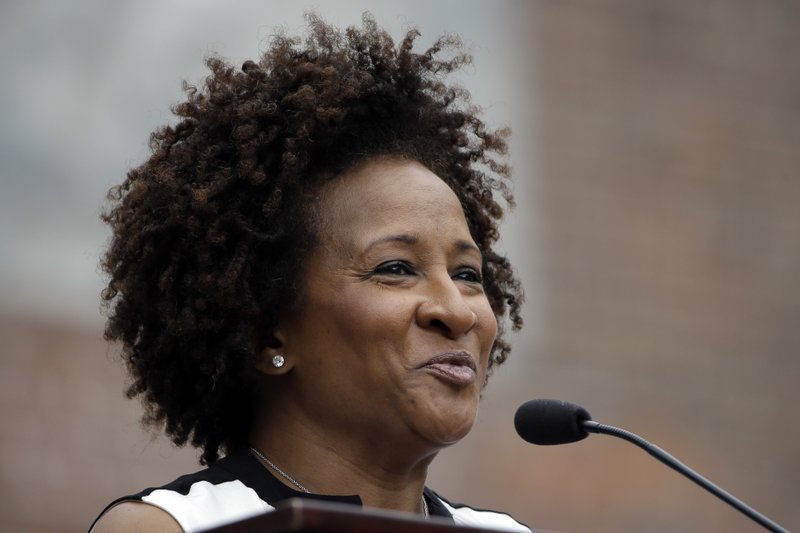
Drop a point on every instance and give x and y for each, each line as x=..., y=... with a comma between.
x=446, y=310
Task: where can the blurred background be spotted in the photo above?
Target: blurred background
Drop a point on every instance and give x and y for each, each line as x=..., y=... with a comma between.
x=656, y=154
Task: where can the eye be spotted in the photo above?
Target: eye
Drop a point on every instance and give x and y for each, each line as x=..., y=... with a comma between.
x=394, y=268
x=468, y=274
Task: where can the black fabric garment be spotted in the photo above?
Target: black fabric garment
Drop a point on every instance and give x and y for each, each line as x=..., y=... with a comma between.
x=239, y=486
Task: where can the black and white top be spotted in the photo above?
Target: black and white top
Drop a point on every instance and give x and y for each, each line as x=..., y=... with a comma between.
x=238, y=487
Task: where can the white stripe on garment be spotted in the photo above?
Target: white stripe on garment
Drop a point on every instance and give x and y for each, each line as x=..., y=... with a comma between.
x=208, y=505
x=466, y=516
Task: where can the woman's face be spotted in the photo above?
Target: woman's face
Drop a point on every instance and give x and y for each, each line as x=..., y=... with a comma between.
x=394, y=331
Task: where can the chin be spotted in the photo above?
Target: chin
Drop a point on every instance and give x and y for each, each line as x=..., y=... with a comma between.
x=449, y=428
x=445, y=439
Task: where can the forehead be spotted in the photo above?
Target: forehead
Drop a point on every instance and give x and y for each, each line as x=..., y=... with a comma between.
x=392, y=194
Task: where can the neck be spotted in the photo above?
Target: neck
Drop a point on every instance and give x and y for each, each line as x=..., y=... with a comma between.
x=388, y=475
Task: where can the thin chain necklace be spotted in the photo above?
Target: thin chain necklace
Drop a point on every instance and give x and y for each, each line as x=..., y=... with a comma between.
x=297, y=484
x=283, y=474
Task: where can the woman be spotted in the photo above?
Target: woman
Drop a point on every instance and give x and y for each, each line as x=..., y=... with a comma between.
x=302, y=277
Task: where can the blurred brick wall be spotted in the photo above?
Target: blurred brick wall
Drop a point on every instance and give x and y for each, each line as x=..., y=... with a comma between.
x=667, y=212
x=70, y=440
x=662, y=295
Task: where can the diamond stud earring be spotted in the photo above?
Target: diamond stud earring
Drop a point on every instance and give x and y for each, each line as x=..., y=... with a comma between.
x=278, y=361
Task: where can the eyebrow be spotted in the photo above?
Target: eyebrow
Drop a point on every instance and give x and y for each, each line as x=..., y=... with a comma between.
x=463, y=245
x=404, y=238
x=411, y=239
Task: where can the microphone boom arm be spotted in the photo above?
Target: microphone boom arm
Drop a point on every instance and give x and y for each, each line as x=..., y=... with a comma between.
x=595, y=427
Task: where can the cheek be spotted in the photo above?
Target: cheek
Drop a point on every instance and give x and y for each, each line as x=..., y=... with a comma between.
x=365, y=316
x=488, y=328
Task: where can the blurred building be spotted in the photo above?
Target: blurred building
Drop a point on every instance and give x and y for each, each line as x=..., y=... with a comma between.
x=668, y=253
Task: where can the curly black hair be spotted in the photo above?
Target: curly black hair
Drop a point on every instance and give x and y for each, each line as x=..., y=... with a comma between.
x=210, y=233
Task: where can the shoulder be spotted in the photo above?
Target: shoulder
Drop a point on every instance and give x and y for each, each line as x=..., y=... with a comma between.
x=203, y=506
x=134, y=517
x=203, y=500
x=464, y=515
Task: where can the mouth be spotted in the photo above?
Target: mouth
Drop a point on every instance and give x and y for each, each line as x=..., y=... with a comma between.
x=456, y=368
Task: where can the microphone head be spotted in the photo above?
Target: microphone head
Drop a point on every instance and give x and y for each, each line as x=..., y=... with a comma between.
x=548, y=422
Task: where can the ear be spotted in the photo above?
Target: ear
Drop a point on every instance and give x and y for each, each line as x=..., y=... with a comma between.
x=273, y=360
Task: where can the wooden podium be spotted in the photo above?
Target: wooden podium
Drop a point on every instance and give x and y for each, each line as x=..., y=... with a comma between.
x=314, y=516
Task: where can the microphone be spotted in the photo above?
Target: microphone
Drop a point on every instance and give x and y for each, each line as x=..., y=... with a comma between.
x=549, y=422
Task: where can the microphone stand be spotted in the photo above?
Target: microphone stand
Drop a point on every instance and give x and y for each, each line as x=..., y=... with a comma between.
x=595, y=427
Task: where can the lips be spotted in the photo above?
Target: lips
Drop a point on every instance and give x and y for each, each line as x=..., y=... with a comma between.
x=456, y=368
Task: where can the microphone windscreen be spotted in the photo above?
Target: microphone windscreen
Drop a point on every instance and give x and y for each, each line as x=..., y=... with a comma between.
x=549, y=422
